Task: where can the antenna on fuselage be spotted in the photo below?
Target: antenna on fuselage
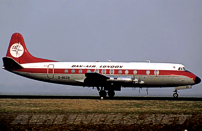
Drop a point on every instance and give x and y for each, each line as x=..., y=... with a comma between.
x=110, y=60
x=148, y=61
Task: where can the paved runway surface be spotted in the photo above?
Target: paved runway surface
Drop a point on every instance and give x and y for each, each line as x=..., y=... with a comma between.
x=97, y=97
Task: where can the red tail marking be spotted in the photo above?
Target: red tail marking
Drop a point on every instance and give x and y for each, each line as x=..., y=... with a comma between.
x=18, y=51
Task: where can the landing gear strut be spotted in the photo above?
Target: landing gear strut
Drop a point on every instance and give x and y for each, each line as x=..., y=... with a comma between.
x=111, y=93
x=103, y=93
x=175, y=95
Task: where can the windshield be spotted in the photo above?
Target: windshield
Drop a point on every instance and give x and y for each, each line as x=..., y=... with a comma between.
x=181, y=69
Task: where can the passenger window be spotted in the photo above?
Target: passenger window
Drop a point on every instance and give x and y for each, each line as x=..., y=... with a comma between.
x=73, y=71
x=147, y=72
x=80, y=71
x=126, y=72
x=120, y=71
x=135, y=72
x=103, y=71
x=96, y=70
x=66, y=71
x=156, y=72
x=111, y=71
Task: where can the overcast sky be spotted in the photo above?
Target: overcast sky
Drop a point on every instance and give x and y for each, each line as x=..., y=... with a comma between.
x=92, y=30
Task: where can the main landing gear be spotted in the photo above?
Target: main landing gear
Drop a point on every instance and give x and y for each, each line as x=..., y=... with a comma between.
x=111, y=93
x=103, y=93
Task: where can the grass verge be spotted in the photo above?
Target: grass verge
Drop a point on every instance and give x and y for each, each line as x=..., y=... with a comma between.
x=99, y=106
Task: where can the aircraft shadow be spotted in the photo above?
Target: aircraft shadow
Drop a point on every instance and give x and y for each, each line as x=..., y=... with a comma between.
x=98, y=98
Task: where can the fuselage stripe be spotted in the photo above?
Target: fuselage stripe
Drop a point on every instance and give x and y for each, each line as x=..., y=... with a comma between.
x=116, y=71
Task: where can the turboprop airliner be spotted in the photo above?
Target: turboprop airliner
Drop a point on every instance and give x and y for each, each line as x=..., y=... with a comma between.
x=107, y=77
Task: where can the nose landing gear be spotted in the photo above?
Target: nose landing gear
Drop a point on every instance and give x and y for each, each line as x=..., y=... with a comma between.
x=175, y=95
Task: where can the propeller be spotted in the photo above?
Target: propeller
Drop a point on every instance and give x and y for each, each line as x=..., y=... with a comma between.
x=133, y=78
x=139, y=89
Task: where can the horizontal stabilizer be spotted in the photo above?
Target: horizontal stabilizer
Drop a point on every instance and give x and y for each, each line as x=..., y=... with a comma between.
x=9, y=63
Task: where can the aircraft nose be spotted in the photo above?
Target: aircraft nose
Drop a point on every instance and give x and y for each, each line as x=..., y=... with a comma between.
x=197, y=80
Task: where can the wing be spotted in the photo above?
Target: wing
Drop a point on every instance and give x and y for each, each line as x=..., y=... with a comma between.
x=93, y=78
x=95, y=75
x=96, y=79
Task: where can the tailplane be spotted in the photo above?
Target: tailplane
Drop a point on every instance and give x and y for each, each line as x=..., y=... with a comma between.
x=11, y=64
x=17, y=50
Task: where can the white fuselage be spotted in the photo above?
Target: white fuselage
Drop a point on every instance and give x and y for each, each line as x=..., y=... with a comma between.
x=73, y=73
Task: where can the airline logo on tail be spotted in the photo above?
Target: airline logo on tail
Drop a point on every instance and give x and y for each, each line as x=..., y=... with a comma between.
x=16, y=50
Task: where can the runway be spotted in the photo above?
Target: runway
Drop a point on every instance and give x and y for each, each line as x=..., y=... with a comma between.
x=97, y=97
x=90, y=112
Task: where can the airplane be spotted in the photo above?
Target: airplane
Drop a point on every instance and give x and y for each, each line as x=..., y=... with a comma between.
x=107, y=77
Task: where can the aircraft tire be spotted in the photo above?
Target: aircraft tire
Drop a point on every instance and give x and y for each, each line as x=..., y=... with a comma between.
x=175, y=95
x=103, y=93
x=111, y=94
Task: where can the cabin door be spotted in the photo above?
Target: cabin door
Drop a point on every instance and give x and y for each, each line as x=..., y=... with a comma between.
x=50, y=71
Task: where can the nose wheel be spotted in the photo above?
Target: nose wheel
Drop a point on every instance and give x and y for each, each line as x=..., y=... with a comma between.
x=175, y=95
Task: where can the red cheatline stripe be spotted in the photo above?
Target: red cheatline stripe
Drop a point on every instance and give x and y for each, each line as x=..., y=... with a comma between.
x=116, y=71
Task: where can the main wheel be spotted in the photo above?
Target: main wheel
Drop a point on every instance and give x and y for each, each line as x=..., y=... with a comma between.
x=103, y=93
x=111, y=94
x=175, y=95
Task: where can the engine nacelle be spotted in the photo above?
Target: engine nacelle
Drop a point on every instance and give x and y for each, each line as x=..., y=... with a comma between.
x=124, y=79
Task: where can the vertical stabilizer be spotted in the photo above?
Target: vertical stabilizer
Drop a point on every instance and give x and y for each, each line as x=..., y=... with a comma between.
x=17, y=50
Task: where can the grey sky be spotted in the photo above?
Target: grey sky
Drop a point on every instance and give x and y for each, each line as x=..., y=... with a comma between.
x=90, y=30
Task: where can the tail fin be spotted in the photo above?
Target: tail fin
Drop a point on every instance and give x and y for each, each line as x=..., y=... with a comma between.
x=18, y=51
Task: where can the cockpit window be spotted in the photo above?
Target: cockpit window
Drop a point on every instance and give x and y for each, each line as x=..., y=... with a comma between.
x=181, y=69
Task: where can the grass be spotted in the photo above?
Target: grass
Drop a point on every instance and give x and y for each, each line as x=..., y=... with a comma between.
x=98, y=106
